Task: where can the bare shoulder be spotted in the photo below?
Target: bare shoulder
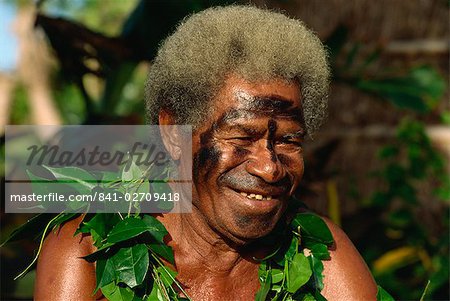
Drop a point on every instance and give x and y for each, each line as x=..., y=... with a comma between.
x=346, y=275
x=61, y=272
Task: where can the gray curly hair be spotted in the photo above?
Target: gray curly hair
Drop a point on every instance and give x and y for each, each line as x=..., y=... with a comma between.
x=253, y=43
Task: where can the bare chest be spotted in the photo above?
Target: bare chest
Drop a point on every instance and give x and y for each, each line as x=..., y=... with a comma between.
x=222, y=288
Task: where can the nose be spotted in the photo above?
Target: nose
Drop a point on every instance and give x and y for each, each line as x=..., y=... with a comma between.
x=265, y=164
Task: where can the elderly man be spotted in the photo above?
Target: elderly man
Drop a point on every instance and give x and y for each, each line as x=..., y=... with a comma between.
x=253, y=84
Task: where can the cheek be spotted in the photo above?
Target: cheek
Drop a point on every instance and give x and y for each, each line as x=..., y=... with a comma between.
x=240, y=152
x=206, y=160
x=293, y=164
x=216, y=157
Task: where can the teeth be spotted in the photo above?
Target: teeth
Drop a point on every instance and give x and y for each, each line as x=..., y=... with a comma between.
x=256, y=196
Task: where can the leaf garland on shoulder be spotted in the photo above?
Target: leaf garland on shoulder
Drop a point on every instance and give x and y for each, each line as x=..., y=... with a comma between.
x=289, y=274
x=131, y=249
x=129, y=252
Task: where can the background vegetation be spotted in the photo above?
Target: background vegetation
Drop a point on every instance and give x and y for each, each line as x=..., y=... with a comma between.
x=379, y=168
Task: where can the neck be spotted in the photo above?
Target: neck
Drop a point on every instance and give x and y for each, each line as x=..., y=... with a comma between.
x=194, y=241
x=210, y=267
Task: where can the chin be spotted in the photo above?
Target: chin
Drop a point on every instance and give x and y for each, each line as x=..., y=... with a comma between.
x=246, y=229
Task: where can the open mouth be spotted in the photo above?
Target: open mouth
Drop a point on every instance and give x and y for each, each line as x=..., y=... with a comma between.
x=255, y=196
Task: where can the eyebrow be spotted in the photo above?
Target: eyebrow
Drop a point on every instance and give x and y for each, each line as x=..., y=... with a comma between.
x=299, y=134
x=274, y=103
x=246, y=113
x=235, y=114
x=269, y=103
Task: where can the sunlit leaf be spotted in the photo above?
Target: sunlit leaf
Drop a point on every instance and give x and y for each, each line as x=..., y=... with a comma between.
x=320, y=251
x=116, y=293
x=265, y=287
x=105, y=272
x=277, y=275
x=312, y=229
x=131, y=264
x=131, y=227
x=299, y=272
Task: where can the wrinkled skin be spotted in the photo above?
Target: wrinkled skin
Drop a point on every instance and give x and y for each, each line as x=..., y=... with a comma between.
x=251, y=143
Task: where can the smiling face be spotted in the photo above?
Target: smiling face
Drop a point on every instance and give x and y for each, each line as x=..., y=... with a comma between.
x=248, y=157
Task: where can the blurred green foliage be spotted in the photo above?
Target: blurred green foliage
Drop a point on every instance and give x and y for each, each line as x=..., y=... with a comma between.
x=405, y=240
x=416, y=235
x=20, y=109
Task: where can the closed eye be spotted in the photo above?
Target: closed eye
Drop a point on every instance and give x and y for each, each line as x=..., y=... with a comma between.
x=295, y=142
x=242, y=140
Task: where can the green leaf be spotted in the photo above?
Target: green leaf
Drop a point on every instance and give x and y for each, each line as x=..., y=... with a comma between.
x=76, y=177
x=128, y=265
x=262, y=271
x=99, y=226
x=277, y=275
x=101, y=252
x=105, y=272
x=131, y=172
x=382, y=295
x=320, y=251
x=31, y=229
x=42, y=186
x=131, y=264
x=265, y=287
x=162, y=250
x=109, y=178
x=39, y=185
x=283, y=253
x=35, y=226
x=308, y=297
x=312, y=229
x=131, y=227
x=293, y=248
x=317, y=272
x=319, y=296
x=155, y=294
x=167, y=275
x=299, y=272
x=156, y=228
x=116, y=293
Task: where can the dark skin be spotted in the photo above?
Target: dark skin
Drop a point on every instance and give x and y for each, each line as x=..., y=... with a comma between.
x=251, y=144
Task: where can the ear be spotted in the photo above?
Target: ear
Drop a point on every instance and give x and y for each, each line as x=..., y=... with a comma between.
x=170, y=134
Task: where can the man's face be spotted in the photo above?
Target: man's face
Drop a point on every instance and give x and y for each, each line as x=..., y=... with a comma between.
x=248, y=157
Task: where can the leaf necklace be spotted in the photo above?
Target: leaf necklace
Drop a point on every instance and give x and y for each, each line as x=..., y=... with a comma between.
x=130, y=249
x=128, y=259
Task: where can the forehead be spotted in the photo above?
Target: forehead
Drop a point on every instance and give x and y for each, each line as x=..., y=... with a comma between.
x=275, y=97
